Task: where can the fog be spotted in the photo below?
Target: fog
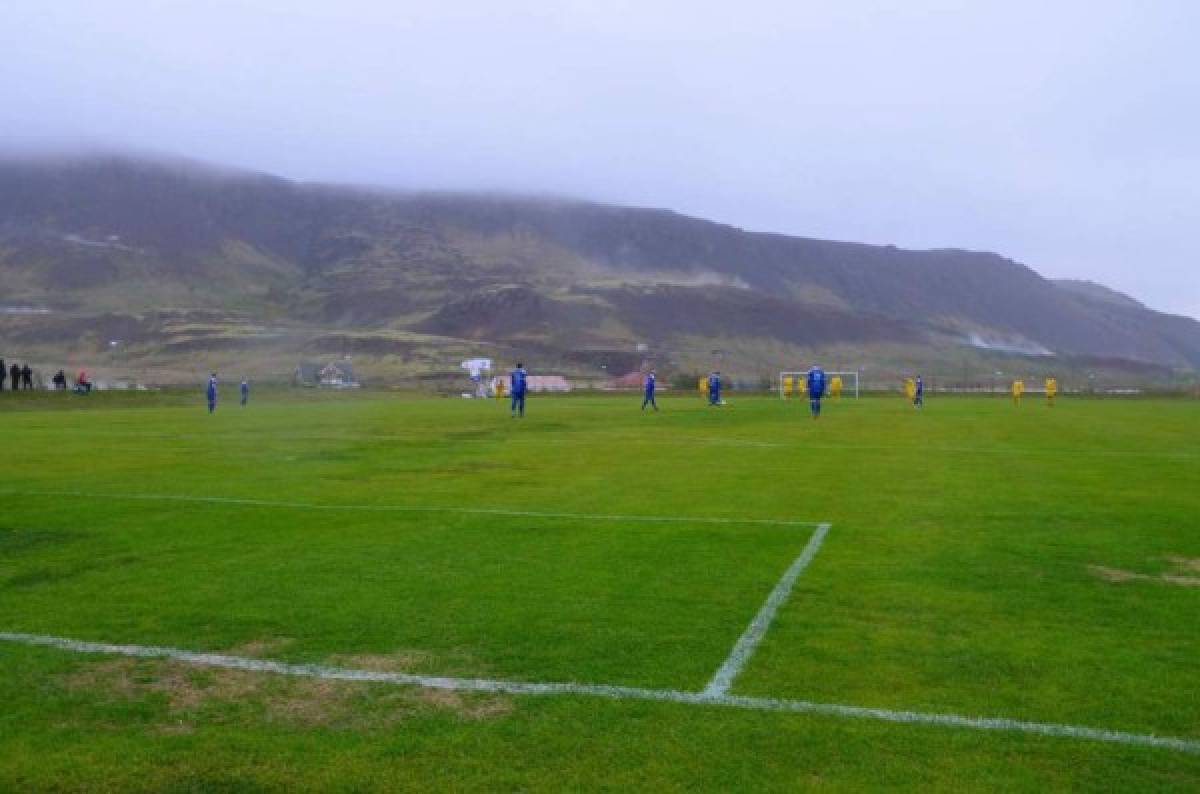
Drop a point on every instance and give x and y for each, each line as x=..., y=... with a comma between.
x=1065, y=135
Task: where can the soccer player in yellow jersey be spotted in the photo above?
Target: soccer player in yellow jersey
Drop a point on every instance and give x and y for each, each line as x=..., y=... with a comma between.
x=1018, y=388
x=835, y=386
x=1051, y=391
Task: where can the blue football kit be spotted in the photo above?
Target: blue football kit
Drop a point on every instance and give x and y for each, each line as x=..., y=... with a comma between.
x=648, y=397
x=519, y=376
x=816, y=390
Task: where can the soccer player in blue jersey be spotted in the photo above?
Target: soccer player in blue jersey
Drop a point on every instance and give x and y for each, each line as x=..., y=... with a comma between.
x=245, y=391
x=919, y=393
x=211, y=392
x=714, y=388
x=519, y=376
x=816, y=390
x=648, y=398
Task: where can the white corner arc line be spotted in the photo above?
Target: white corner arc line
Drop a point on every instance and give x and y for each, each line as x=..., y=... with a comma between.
x=752, y=636
x=611, y=692
x=384, y=508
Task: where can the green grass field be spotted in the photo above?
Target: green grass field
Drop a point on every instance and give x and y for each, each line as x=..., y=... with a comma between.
x=983, y=561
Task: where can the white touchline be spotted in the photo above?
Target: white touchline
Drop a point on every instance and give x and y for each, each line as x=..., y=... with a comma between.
x=748, y=642
x=485, y=511
x=606, y=691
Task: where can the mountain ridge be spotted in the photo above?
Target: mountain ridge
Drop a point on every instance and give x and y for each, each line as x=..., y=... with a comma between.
x=96, y=235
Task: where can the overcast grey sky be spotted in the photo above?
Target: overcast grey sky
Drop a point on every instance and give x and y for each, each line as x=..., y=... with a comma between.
x=1063, y=134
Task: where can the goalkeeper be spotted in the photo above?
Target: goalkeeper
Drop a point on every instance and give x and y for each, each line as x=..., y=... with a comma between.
x=815, y=380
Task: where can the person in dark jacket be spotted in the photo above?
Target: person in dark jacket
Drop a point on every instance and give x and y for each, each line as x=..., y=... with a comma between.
x=14, y=377
x=26, y=377
x=3, y=374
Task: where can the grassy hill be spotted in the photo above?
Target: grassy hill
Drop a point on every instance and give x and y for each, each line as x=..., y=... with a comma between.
x=186, y=265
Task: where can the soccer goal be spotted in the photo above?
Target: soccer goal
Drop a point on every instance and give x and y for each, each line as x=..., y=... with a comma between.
x=793, y=384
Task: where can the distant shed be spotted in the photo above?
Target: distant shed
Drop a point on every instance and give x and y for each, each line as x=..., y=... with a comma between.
x=331, y=375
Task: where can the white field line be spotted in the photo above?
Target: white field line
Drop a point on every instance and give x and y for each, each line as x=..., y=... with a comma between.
x=748, y=642
x=606, y=691
x=485, y=511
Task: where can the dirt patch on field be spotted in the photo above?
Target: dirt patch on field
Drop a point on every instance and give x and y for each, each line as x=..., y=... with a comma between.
x=185, y=686
x=195, y=694
x=315, y=702
x=261, y=649
x=471, y=706
x=398, y=662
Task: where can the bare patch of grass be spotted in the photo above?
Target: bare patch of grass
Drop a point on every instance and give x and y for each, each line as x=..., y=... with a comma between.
x=397, y=662
x=470, y=706
x=194, y=694
x=185, y=687
x=114, y=676
x=261, y=649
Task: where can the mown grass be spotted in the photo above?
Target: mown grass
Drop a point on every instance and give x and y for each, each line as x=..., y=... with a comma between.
x=963, y=574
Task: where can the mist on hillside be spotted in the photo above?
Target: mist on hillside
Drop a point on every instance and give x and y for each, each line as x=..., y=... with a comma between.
x=1060, y=136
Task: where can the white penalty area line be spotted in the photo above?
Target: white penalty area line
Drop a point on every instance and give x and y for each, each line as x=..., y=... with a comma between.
x=606, y=691
x=748, y=642
x=477, y=511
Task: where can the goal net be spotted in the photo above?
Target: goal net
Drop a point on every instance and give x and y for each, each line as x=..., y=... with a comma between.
x=795, y=384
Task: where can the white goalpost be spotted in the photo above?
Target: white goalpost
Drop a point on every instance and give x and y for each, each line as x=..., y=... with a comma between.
x=792, y=384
